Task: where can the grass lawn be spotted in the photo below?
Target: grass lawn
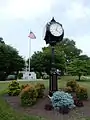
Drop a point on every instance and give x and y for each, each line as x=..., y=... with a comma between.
x=7, y=113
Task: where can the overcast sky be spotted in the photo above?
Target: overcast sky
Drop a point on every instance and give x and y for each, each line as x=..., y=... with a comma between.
x=18, y=17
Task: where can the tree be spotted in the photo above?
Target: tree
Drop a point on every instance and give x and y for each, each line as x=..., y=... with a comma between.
x=41, y=61
x=78, y=67
x=88, y=67
x=1, y=40
x=65, y=52
x=59, y=59
x=37, y=62
x=84, y=57
x=10, y=61
x=70, y=49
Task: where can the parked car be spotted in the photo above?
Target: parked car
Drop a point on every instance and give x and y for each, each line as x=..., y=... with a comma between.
x=11, y=77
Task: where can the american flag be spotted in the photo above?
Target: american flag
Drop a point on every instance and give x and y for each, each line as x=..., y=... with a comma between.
x=32, y=35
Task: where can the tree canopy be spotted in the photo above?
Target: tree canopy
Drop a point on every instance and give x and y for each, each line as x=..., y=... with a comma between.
x=65, y=52
x=78, y=67
x=10, y=60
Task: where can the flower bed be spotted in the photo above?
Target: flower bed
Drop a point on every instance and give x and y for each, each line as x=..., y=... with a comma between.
x=71, y=96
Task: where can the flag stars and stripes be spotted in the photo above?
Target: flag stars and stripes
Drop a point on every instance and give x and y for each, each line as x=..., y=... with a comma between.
x=32, y=35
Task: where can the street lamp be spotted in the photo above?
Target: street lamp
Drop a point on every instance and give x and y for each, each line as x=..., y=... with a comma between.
x=54, y=33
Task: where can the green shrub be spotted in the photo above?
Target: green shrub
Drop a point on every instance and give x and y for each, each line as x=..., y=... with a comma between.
x=81, y=93
x=73, y=84
x=38, y=75
x=20, y=75
x=40, y=89
x=23, y=86
x=28, y=96
x=14, y=88
x=68, y=89
x=45, y=76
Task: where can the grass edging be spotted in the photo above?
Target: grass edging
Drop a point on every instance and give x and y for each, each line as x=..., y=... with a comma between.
x=8, y=113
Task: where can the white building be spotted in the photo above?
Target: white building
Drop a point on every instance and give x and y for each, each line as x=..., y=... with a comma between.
x=29, y=75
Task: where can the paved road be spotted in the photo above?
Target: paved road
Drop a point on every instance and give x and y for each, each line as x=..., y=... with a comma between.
x=23, y=80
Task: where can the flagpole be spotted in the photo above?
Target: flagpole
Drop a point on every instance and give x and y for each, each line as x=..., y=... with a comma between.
x=31, y=36
x=29, y=53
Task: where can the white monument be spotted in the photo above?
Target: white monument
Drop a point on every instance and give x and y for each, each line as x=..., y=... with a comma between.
x=29, y=75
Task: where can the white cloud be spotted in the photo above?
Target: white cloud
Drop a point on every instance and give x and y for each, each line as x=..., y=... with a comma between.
x=24, y=9
x=83, y=43
x=70, y=13
x=78, y=10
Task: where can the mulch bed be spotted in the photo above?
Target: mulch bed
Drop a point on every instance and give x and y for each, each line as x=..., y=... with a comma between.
x=38, y=109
